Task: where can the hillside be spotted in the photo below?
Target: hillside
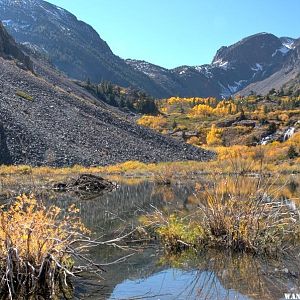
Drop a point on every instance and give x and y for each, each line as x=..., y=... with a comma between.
x=10, y=50
x=252, y=127
x=45, y=119
x=258, y=62
x=287, y=77
x=72, y=46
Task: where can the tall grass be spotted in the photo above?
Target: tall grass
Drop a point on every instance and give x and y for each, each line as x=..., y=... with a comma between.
x=37, y=248
x=231, y=214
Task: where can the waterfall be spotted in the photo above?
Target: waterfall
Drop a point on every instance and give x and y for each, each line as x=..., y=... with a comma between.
x=282, y=136
x=266, y=140
x=289, y=133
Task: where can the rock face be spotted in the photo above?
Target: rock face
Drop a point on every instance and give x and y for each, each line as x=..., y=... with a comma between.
x=71, y=45
x=75, y=48
x=9, y=49
x=86, y=183
x=287, y=76
x=233, y=68
x=46, y=119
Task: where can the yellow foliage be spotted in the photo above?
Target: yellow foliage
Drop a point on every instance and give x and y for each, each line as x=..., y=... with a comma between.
x=36, y=231
x=154, y=122
x=214, y=137
x=231, y=214
x=202, y=110
x=225, y=108
x=194, y=140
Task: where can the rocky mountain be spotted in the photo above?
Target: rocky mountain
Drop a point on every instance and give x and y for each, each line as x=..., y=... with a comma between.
x=76, y=48
x=46, y=119
x=250, y=60
x=71, y=45
x=287, y=77
x=10, y=50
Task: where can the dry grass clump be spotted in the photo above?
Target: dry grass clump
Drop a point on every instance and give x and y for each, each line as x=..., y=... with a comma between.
x=37, y=247
x=176, y=232
x=24, y=95
x=247, y=218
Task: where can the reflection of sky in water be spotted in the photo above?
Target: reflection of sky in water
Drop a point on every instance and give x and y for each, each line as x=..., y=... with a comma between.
x=176, y=285
x=107, y=212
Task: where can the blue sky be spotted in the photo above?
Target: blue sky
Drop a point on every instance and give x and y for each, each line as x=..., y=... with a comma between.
x=171, y=33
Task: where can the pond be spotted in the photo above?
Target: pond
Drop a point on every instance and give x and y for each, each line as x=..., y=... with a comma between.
x=149, y=273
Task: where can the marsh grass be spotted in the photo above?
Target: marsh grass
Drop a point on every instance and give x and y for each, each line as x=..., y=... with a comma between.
x=244, y=216
x=38, y=246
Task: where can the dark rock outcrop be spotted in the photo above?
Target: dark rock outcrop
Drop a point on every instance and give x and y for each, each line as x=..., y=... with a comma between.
x=10, y=50
x=4, y=152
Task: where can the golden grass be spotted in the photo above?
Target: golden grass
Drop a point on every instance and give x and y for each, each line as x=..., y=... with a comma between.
x=36, y=245
x=238, y=158
x=247, y=216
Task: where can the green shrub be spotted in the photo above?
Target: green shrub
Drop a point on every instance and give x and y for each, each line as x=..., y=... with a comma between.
x=24, y=95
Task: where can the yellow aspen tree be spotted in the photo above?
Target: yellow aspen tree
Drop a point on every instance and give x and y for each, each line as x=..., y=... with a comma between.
x=214, y=136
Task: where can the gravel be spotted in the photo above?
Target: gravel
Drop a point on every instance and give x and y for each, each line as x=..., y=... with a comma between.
x=64, y=125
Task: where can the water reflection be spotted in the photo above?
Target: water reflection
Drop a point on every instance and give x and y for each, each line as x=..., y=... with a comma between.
x=175, y=284
x=149, y=275
x=213, y=275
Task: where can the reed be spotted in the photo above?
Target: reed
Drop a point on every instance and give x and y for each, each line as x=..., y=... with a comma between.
x=247, y=218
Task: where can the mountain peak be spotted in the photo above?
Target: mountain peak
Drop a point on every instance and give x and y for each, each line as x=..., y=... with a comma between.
x=254, y=49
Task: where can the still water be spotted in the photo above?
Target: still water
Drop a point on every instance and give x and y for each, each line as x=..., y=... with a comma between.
x=148, y=274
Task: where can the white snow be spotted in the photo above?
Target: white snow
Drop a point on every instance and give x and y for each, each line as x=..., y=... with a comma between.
x=288, y=43
x=258, y=67
x=205, y=70
x=222, y=64
x=6, y=22
x=284, y=50
x=236, y=86
x=225, y=92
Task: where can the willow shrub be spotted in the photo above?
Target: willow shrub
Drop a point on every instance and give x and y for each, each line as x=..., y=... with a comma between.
x=36, y=247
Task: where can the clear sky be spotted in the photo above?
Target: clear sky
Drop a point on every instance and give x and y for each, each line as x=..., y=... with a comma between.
x=171, y=33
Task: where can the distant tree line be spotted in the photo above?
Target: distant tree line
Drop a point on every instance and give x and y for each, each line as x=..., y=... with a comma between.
x=125, y=98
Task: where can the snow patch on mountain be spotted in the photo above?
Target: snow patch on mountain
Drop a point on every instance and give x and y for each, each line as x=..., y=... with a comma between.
x=284, y=50
x=236, y=86
x=258, y=67
x=205, y=70
x=183, y=71
x=288, y=43
x=225, y=92
x=146, y=67
x=221, y=64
